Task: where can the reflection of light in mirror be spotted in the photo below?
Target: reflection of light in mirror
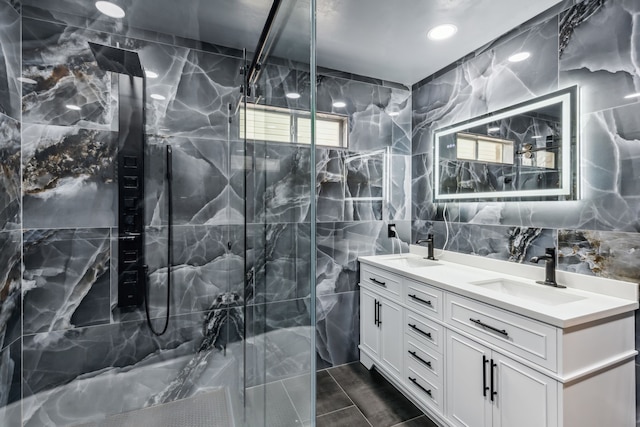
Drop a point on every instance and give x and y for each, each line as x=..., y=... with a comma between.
x=519, y=57
x=110, y=9
x=73, y=107
x=27, y=81
x=158, y=97
x=151, y=74
x=293, y=95
x=394, y=113
x=493, y=129
x=537, y=136
x=633, y=95
x=339, y=104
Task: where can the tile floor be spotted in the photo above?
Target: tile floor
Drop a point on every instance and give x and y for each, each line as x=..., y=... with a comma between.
x=347, y=396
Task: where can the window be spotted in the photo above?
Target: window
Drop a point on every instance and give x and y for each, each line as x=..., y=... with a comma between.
x=484, y=148
x=275, y=124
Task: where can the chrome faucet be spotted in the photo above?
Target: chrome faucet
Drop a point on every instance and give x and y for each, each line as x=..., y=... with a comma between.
x=549, y=259
x=429, y=241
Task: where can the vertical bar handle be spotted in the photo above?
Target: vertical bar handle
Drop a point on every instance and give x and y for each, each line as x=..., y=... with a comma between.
x=484, y=375
x=375, y=312
x=493, y=392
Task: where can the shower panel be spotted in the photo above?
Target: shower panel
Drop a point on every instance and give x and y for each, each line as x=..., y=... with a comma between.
x=131, y=268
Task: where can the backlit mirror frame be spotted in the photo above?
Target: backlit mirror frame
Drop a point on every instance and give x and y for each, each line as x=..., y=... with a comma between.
x=570, y=146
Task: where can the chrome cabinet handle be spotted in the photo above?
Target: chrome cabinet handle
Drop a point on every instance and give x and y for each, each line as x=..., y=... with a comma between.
x=493, y=328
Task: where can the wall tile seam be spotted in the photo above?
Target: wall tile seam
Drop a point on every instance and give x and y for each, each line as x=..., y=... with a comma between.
x=112, y=323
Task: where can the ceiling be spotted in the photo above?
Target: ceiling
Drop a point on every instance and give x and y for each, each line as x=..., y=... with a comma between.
x=376, y=38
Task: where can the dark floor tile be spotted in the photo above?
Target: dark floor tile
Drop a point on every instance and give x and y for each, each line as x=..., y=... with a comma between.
x=348, y=417
x=379, y=401
x=422, y=421
x=329, y=396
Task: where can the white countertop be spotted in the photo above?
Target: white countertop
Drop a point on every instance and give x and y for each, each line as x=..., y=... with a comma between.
x=458, y=277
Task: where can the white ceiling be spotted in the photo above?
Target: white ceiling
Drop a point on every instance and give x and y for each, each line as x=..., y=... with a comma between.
x=385, y=39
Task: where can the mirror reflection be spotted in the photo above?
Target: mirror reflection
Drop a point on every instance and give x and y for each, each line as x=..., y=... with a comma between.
x=527, y=151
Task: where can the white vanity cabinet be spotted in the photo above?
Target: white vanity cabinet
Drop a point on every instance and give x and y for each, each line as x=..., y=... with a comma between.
x=381, y=320
x=469, y=363
x=486, y=388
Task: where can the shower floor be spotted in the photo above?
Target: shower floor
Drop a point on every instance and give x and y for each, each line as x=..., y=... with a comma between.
x=211, y=409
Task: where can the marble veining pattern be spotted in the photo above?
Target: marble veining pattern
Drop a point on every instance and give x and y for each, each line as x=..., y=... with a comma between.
x=612, y=255
x=70, y=279
x=9, y=59
x=10, y=197
x=601, y=55
x=10, y=288
x=65, y=279
x=68, y=177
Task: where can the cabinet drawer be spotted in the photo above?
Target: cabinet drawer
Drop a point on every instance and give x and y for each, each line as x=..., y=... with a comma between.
x=387, y=283
x=430, y=360
x=525, y=337
x=424, y=299
x=424, y=330
x=423, y=386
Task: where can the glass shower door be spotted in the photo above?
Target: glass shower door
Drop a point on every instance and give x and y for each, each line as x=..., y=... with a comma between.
x=280, y=225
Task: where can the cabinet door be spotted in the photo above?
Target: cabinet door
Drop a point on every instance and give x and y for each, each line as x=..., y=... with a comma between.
x=525, y=398
x=467, y=403
x=391, y=339
x=369, y=332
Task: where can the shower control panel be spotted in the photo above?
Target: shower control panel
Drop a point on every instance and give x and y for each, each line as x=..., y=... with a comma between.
x=131, y=259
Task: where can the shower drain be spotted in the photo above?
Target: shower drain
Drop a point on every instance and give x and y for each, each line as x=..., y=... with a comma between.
x=204, y=410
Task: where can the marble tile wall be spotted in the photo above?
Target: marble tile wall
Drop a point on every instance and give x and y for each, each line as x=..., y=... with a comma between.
x=10, y=215
x=589, y=43
x=78, y=350
x=69, y=197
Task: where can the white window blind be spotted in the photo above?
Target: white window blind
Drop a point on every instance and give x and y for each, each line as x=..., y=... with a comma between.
x=281, y=125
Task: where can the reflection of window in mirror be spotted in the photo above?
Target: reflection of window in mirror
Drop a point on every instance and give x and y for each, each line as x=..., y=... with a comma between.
x=542, y=159
x=484, y=149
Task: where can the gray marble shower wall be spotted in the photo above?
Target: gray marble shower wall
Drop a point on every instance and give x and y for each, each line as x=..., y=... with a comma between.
x=592, y=44
x=69, y=354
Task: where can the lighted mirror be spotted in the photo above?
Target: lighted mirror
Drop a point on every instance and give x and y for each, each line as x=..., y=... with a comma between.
x=529, y=151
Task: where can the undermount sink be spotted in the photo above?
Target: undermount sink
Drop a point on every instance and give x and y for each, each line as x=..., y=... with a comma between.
x=543, y=294
x=411, y=262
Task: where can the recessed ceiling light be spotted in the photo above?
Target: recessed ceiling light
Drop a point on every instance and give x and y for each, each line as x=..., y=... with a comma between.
x=633, y=95
x=442, y=32
x=494, y=129
x=151, y=74
x=394, y=113
x=520, y=56
x=292, y=95
x=27, y=81
x=158, y=97
x=110, y=9
x=537, y=136
x=339, y=104
x=73, y=107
